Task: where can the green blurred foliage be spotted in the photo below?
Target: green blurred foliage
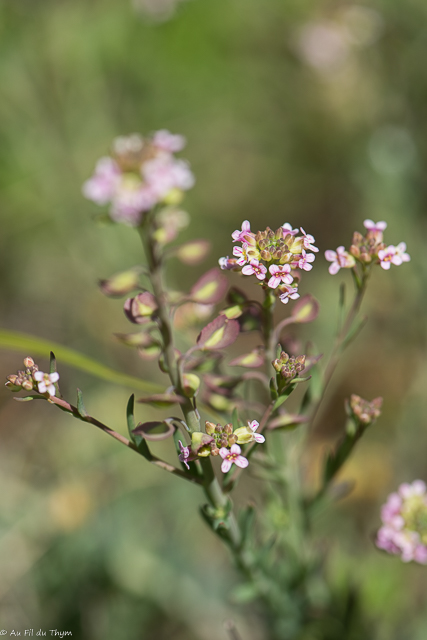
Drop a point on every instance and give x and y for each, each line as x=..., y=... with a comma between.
x=300, y=111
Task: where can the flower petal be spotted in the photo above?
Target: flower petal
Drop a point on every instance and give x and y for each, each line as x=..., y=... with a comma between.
x=241, y=462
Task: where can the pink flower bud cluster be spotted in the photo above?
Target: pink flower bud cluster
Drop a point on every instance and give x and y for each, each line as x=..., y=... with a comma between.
x=31, y=378
x=221, y=441
x=404, y=528
x=272, y=257
x=367, y=249
x=140, y=173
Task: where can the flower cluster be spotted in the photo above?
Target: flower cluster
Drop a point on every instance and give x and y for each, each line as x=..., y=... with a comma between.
x=31, y=377
x=367, y=249
x=365, y=412
x=272, y=257
x=404, y=517
x=289, y=367
x=221, y=441
x=140, y=173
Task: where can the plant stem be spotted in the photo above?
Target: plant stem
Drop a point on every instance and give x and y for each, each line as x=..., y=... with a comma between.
x=69, y=408
x=211, y=486
x=340, y=340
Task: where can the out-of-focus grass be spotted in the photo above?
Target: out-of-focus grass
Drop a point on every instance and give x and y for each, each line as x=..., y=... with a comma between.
x=310, y=113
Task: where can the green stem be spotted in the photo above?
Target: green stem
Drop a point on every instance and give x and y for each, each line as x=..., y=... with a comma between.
x=267, y=325
x=361, y=284
x=211, y=486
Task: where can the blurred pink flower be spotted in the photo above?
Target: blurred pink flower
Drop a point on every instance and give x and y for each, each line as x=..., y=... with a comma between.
x=404, y=518
x=340, y=259
x=167, y=141
x=100, y=188
x=391, y=254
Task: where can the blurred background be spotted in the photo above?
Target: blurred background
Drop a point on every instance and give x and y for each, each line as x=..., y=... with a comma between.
x=312, y=113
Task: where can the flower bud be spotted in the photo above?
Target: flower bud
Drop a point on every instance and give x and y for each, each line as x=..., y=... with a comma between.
x=279, y=233
x=28, y=363
x=190, y=384
x=228, y=428
x=215, y=451
x=210, y=428
x=355, y=251
x=231, y=440
x=266, y=255
x=218, y=428
x=27, y=385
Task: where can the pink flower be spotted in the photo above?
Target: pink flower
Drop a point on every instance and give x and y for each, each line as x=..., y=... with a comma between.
x=340, y=259
x=396, y=255
x=304, y=261
x=253, y=426
x=308, y=241
x=101, y=186
x=232, y=457
x=279, y=273
x=185, y=454
x=288, y=228
x=46, y=382
x=241, y=253
x=130, y=200
x=255, y=268
x=290, y=293
x=239, y=236
x=164, y=173
x=374, y=226
x=404, y=523
x=167, y=141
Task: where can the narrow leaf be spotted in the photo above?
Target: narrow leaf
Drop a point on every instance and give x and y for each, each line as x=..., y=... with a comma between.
x=80, y=406
x=137, y=439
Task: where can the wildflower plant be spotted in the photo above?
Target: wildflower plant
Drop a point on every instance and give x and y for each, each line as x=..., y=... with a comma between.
x=228, y=428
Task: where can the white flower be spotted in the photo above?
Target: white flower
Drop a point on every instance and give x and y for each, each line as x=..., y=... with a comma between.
x=46, y=382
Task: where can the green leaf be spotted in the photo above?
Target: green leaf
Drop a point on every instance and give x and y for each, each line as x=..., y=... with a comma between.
x=80, y=406
x=136, y=438
x=52, y=364
x=15, y=341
